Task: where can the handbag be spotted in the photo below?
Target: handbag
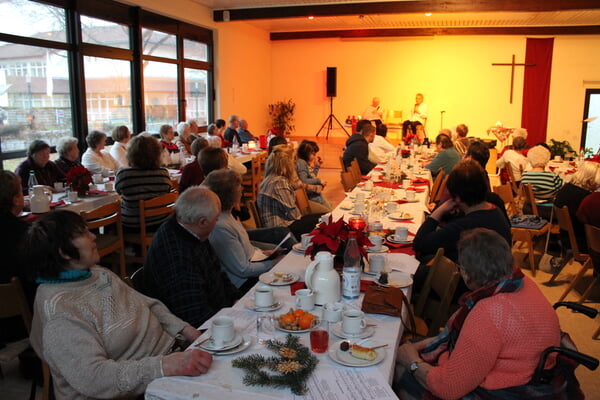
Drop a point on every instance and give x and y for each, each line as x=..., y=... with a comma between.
x=388, y=301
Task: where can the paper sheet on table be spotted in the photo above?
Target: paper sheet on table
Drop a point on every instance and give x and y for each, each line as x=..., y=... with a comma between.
x=348, y=384
x=258, y=255
x=402, y=262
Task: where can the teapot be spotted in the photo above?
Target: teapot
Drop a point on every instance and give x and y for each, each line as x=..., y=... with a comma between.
x=39, y=202
x=322, y=279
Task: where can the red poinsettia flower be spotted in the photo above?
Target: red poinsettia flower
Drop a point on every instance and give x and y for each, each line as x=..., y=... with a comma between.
x=79, y=177
x=332, y=236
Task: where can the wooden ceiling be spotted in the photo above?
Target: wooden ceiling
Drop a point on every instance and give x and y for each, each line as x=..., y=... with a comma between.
x=289, y=19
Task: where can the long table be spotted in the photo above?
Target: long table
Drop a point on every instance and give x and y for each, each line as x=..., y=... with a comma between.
x=330, y=380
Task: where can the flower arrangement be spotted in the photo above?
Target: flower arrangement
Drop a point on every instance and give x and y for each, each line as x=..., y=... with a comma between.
x=405, y=153
x=332, y=236
x=79, y=177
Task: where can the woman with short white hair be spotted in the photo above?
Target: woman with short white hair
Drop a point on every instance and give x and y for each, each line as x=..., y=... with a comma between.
x=68, y=153
x=544, y=183
x=184, y=139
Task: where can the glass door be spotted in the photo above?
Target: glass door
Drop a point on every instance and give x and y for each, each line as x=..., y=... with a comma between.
x=590, y=135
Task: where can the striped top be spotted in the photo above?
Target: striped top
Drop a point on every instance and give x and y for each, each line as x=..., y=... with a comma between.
x=134, y=184
x=544, y=184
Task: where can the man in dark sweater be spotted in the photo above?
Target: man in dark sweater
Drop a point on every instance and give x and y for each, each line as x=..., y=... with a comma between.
x=182, y=269
x=231, y=133
x=357, y=146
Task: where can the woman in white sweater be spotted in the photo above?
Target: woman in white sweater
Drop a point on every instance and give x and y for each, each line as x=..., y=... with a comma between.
x=95, y=158
x=100, y=338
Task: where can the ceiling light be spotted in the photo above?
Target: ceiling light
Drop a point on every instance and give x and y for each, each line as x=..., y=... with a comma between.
x=311, y=17
x=428, y=14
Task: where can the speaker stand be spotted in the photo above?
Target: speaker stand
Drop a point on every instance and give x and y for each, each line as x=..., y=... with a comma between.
x=329, y=121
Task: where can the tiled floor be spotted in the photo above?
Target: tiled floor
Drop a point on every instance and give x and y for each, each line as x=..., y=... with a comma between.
x=12, y=387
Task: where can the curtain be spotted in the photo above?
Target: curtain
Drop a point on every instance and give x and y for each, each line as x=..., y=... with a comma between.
x=536, y=89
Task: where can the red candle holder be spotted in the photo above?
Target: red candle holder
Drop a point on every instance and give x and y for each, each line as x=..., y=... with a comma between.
x=357, y=223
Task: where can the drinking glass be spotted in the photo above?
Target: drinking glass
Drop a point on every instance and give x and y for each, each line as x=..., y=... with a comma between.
x=265, y=326
x=319, y=336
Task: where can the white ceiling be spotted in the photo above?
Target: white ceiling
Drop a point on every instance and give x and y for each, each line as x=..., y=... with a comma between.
x=397, y=21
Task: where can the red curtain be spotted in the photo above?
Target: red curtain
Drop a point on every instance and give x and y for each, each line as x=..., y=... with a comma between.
x=536, y=89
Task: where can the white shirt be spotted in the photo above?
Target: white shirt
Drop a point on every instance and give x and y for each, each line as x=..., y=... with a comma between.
x=119, y=152
x=381, y=147
x=516, y=160
x=418, y=113
x=235, y=165
x=371, y=113
x=102, y=163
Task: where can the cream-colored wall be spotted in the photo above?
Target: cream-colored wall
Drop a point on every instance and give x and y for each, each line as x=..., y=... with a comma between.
x=453, y=72
x=242, y=55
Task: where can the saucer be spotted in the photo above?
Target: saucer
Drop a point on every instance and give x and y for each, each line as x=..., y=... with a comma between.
x=209, y=345
x=396, y=279
x=401, y=216
x=298, y=248
x=346, y=358
x=270, y=278
x=338, y=331
x=250, y=306
x=246, y=342
x=346, y=206
x=394, y=239
x=383, y=249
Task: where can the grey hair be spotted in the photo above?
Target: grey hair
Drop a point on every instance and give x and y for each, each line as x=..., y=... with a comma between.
x=538, y=156
x=65, y=144
x=181, y=128
x=211, y=129
x=195, y=203
x=520, y=132
x=485, y=256
x=233, y=118
x=587, y=176
x=224, y=183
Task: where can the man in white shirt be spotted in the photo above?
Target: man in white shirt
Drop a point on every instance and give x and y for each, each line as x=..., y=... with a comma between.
x=418, y=113
x=374, y=113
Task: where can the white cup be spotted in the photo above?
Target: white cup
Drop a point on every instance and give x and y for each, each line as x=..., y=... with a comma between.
x=263, y=296
x=557, y=158
x=376, y=176
x=401, y=233
x=405, y=183
x=332, y=312
x=305, y=240
x=410, y=195
x=359, y=207
x=368, y=185
x=93, y=186
x=305, y=299
x=109, y=186
x=377, y=263
x=98, y=178
x=73, y=197
x=245, y=147
x=222, y=330
x=360, y=197
x=353, y=322
x=375, y=227
x=377, y=242
x=59, y=186
x=391, y=207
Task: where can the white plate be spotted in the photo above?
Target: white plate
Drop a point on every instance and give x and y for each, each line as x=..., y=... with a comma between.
x=209, y=345
x=271, y=279
x=298, y=248
x=246, y=342
x=345, y=206
x=383, y=249
x=279, y=328
x=401, y=216
x=346, y=358
x=275, y=306
x=338, y=331
x=394, y=239
x=397, y=279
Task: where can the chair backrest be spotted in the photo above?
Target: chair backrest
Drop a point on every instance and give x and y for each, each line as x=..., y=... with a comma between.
x=529, y=197
x=302, y=201
x=355, y=170
x=490, y=167
x=251, y=205
x=511, y=176
x=14, y=303
x=436, y=185
x=506, y=194
x=442, y=279
x=347, y=181
x=565, y=224
x=592, y=236
x=441, y=189
x=157, y=206
x=105, y=215
x=344, y=169
x=175, y=185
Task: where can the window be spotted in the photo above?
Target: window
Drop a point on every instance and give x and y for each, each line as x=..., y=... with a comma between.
x=105, y=33
x=194, y=50
x=160, y=92
x=590, y=135
x=18, y=18
x=159, y=44
x=196, y=95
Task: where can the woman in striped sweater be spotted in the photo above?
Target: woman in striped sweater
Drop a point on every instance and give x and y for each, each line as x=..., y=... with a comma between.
x=545, y=184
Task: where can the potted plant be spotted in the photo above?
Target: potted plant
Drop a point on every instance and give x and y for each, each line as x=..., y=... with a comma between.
x=559, y=148
x=282, y=116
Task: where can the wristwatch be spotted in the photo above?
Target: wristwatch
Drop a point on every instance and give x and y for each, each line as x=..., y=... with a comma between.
x=414, y=366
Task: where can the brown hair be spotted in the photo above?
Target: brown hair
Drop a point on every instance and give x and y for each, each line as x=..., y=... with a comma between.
x=143, y=152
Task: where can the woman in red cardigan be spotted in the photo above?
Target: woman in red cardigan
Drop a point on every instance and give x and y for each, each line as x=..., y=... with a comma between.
x=492, y=344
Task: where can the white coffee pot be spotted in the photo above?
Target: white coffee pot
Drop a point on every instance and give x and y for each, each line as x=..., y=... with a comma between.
x=323, y=279
x=39, y=202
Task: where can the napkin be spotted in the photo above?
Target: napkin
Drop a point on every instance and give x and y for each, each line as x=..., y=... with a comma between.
x=419, y=189
x=297, y=286
x=388, y=185
x=57, y=203
x=377, y=169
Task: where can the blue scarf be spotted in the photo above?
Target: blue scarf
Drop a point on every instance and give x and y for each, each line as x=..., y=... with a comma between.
x=71, y=275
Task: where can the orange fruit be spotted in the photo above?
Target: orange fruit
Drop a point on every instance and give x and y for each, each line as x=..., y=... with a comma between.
x=305, y=321
x=287, y=319
x=299, y=312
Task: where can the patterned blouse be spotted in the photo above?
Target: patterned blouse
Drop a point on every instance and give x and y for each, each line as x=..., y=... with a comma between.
x=277, y=202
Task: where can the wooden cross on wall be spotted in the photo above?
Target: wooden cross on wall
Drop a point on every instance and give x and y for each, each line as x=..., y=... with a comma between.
x=512, y=72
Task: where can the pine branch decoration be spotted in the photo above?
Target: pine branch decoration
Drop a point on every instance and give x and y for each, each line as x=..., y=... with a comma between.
x=291, y=368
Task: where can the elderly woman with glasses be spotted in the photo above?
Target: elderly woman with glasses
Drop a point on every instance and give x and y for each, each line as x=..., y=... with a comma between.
x=490, y=347
x=38, y=161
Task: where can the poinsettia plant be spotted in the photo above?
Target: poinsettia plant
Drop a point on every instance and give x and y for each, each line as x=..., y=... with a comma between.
x=332, y=236
x=79, y=177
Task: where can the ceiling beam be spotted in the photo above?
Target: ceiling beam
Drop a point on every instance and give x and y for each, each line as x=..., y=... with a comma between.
x=365, y=33
x=404, y=7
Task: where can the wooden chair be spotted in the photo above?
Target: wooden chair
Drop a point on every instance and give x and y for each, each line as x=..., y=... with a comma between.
x=253, y=209
x=506, y=194
x=158, y=206
x=251, y=180
x=565, y=224
x=347, y=181
x=302, y=201
x=442, y=279
x=344, y=169
x=355, y=170
x=592, y=235
x=490, y=167
x=527, y=192
x=106, y=220
x=441, y=189
x=511, y=177
x=174, y=185
x=436, y=186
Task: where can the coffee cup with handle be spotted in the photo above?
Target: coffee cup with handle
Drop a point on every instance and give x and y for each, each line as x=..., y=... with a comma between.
x=353, y=322
x=305, y=299
x=263, y=297
x=222, y=331
x=377, y=263
x=377, y=242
